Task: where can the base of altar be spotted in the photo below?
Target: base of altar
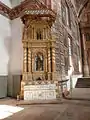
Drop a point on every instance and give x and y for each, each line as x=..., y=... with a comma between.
x=40, y=92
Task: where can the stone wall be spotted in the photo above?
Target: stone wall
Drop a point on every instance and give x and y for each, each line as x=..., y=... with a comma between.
x=62, y=29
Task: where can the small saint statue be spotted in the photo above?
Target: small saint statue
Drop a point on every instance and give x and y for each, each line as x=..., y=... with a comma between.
x=39, y=62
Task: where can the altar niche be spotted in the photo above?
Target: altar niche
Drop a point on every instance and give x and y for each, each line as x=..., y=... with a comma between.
x=39, y=62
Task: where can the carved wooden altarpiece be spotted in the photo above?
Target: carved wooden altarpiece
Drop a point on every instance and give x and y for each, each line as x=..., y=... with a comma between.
x=38, y=43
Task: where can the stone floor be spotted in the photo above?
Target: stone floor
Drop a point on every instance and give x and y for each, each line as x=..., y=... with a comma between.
x=65, y=110
x=81, y=93
x=69, y=110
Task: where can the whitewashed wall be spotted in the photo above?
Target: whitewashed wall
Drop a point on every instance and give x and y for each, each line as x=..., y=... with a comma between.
x=16, y=57
x=5, y=48
x=5, y=40
x=11, y=3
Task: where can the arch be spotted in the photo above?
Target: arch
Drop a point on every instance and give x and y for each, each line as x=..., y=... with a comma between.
x=80, y=11
x=40, y=50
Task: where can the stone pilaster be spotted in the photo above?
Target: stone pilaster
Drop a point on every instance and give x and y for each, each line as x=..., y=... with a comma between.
x=86, y=69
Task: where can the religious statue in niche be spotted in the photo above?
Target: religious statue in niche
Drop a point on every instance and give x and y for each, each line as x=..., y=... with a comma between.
x=39, y=61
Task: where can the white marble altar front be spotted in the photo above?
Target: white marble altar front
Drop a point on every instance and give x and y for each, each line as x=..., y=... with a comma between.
x=40, y=92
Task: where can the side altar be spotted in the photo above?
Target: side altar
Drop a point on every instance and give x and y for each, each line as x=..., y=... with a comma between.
x=39, y=71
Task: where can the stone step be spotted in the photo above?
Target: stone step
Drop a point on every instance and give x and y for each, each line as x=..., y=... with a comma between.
x=83, y=83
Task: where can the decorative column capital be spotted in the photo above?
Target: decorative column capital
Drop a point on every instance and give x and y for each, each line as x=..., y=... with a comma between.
x=25, y=45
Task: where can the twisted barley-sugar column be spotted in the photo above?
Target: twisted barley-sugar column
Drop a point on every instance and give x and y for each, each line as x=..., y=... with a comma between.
x=53, y=59
x=53, y=63
x=24, y=59
x=49, y=65
x=29, y=60
x=24, y=70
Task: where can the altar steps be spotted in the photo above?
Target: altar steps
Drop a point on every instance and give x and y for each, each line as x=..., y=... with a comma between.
x=83, y=83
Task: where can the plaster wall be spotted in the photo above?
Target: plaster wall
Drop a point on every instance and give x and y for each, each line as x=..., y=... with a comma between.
x=5, y=48
x=16, y=59
x=5, y=41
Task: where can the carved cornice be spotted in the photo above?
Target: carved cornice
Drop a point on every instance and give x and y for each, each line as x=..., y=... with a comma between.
x=34, y=4
x=19, y=10
x=27, y=7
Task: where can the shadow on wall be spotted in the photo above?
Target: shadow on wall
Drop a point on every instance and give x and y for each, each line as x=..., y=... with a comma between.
x=7, y=44
x=8, y=48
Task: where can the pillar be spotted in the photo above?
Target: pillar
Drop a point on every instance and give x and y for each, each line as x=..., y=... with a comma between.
x=25, y=61
x=24, y=79
x=85, y=67
x=29, y=64
x=49, y=64
x=53, y=63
